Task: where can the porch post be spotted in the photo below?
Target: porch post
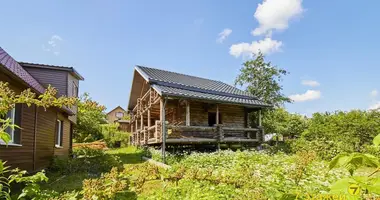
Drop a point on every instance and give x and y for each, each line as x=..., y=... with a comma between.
x=187, y=113
x=217, y=113
x=163, y=132
x=259, y=117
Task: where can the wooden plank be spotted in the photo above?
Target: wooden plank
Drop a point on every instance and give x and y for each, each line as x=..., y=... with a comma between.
x=239, y=129
x=193, y=128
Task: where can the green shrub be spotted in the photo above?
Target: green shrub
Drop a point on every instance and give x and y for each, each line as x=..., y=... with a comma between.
x=112, y=135
x=105, y=187
x=92, y=165
x=87, y=152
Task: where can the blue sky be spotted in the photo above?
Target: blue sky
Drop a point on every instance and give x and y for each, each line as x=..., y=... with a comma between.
x=333, y=43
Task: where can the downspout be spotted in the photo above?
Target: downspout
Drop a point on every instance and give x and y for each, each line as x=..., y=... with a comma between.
x=35, y=137
x=164, y=131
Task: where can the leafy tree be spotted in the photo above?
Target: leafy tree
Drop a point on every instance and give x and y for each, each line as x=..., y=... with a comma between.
x=263, y=80
x=90, y=117
x=8, y=100
x=284, y=123
x=355, y=128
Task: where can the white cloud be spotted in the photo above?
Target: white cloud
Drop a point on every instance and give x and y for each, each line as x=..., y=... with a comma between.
x=53, y=45
x=307, y=96
x=266, y=46
x=223, y=35
x=310, y=83
x=374, y=93
x=375, y=106
x=275, y=15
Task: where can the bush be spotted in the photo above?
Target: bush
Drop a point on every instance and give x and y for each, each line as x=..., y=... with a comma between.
x=87, y=152
x=105, y=187
x=92, y=165
x=112, y=135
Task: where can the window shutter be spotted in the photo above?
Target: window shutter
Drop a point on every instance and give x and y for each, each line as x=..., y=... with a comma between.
x=17, y=131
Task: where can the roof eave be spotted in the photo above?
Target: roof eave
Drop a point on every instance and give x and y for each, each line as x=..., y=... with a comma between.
x=171, y=95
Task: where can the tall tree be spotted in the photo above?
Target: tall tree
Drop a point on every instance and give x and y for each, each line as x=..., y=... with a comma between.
x=90, y=117
x=263, y=80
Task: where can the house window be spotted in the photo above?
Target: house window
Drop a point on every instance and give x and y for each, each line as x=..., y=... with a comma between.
x=15, y=116
x=212, y=118
x=119, y=115
x=59, y=134
x=74, y=90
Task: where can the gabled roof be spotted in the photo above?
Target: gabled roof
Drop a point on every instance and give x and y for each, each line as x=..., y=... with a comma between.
x=173, y=84
x=14, y=67
x=54, y=67
x=115, y=109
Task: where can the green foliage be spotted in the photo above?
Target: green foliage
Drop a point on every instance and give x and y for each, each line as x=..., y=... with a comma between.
x=112, y=134
x=284, y=123
x=90, y=117
x=263, y=80
x=355, y=128
x=105, y=187
x=92, y=165
x=352, y=162
x=87, y=152
x=9, y=99
x=29, y=183
x=245, y=175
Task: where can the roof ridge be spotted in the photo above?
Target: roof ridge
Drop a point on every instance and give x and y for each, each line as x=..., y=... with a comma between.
x=183, y=74
x=41, y=64
x=244, y=93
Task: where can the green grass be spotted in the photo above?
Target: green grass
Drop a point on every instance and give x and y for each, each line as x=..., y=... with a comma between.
x=128, y=155
x=61, y=183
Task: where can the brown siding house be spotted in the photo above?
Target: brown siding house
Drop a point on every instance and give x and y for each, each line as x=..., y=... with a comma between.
x=44, y=133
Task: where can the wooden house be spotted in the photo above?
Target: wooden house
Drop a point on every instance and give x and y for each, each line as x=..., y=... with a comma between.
x=119, y=115
x=44, y=133
x=176, y=109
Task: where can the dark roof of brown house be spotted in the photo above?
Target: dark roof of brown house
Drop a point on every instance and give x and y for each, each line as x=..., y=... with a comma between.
x=173, y=84
x=14, y=67
x=54, y=67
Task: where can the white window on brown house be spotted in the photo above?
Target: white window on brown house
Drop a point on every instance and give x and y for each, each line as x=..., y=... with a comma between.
x=119, y=115
x=59, y=134
x=74, y=90
x=15, y=119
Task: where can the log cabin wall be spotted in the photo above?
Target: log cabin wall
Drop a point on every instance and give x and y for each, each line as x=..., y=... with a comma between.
x=230, y=115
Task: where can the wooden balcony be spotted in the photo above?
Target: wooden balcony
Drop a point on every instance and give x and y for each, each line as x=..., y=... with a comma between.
x=198, y=134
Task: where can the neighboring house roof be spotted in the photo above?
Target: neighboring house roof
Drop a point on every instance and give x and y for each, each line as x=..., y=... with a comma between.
x=54, y=67
x=180, y=85
x=14, y=67
x=115, y=109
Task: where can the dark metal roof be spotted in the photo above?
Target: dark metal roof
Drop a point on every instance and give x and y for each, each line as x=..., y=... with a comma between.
x=13, y=66
x=181, y=85
x=53, y=67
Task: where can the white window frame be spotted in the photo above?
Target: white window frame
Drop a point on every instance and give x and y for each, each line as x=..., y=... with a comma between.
x=58, y=143
x=119, y=113
x=11, y=131
x=75, y=90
